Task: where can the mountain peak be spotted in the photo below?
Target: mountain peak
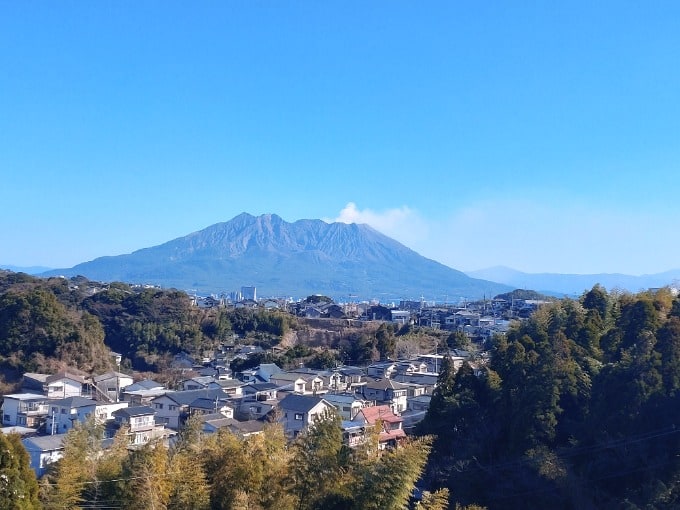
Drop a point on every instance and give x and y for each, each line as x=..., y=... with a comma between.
x=300, y=258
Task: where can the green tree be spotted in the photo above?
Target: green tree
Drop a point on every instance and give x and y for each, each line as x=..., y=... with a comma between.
x=146, y=480
x=385, y=340
x=458, y=340
x=389, y=483
x=18, y=485
x=318, y=464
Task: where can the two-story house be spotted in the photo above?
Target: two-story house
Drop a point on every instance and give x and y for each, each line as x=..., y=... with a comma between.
x=299, y=412
x=391, y=431
x=108, y=386
x=387, y=391
x=24, y=410
x=305, y=384
x=66, y=412
x=140, y=422
x=172, y=408
x=348, y=405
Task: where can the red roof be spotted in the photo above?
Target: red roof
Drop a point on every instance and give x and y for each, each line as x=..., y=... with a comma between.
x=384, y=413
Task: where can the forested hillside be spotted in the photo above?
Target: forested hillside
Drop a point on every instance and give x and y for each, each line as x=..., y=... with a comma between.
x=579, y=408
x=49, y=324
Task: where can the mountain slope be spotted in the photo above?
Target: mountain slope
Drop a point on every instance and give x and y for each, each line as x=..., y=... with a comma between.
x=288, y=259
x=575, y=283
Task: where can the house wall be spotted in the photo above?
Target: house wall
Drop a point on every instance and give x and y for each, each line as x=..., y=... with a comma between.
x=167, y=412
x=65, y=418
x=64, y=388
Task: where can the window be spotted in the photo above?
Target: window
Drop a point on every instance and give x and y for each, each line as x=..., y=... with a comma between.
x=63, y=410
x=299, y=416
x=8, y=417
x=172, y=408
x=158, y=406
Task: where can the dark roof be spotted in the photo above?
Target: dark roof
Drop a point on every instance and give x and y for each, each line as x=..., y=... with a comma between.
x=187, y=397
x=299, y=403
x=267, y=386
x=384, y=384
x=134, y=411
x=72, y=402
x=208, y=403
x=146, y=384
x=65, y=375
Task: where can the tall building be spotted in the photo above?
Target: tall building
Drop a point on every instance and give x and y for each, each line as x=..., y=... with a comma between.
x=249, y=293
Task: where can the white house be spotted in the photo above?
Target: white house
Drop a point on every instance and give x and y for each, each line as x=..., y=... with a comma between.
x=347, y=405
x=24, y=409
x=172, y=408
x=43, y=451
x=387, y=391
x=299, y=412
x=141, y=423
x=63, y=385
x=66, y=412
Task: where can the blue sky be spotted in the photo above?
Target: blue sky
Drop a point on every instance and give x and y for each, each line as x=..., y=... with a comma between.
x=542, y=136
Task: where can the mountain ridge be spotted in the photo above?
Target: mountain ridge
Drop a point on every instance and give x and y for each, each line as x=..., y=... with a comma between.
x=575, y=284
x=288, y=259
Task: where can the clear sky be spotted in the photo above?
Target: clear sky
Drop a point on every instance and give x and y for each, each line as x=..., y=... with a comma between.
x=544, y=136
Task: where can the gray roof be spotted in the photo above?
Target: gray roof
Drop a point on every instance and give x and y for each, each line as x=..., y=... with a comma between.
x=73, y=402
x=146, y=384
x=185, y=398
x=267, y=386
x=208, y=403
x=384, y=384
x=134, y=411
x=299, y=403
x=44, y=443
x=237, y=427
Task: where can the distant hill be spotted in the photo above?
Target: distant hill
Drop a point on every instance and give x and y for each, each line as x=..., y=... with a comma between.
x=289, y=259
x=575, y=284
x=28, y=270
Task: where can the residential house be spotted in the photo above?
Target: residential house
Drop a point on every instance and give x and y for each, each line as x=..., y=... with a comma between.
x=143, y=392
x=305, y=383
x=259, y=391
x=381, y=369
x=63, y=385
x=347, y=379
x=66, y=412
x=299, y=412
x=212, y=423
x=108, y=386
x=172, y=408
x=43, y=451
x=353, y=433
x=140, y=422
x=348, y=405
x=417, y=409
x=400, y=316
x=60, y=385
x=24, y=409
x=391, y=431
x=200, y=383
x=261, y=373
x=231, y=387
x=386, y=391
x=203, y=405
x=104, y=411
x=418, y=383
